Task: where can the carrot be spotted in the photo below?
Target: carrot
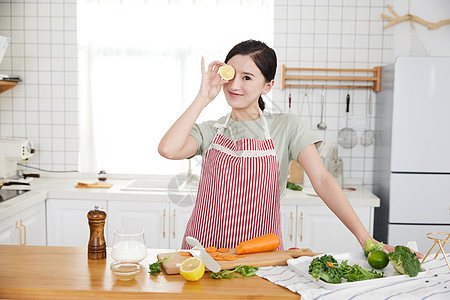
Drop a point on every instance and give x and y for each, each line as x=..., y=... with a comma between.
x=184, y=253
x=229, y=257
x=223, y=250
x=241, y=256
x=218, y=258
x=267, y=242
x=330, y=264
x=211, y=249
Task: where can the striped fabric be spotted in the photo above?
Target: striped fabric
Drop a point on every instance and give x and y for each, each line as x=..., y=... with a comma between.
x=434, y=285
x=238, y=196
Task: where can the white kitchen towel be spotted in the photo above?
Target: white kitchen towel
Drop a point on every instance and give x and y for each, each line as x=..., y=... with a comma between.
x=434, y=285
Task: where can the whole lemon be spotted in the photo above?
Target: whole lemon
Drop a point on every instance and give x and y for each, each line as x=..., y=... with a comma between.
x=192, y=269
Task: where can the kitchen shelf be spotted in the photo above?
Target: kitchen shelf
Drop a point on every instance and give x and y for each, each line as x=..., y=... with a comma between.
x=6, y=85
x=294, y=74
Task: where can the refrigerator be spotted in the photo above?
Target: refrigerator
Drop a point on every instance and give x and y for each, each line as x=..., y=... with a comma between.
x=412, y=151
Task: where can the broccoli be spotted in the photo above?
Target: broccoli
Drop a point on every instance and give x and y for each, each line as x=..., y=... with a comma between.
x=325, y=268
x=405, y=261
x=371, y=246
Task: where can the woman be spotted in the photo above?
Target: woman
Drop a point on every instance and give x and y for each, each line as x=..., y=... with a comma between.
x=246, y=155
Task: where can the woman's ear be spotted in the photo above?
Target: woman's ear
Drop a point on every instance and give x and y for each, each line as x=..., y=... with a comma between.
x=268, y=86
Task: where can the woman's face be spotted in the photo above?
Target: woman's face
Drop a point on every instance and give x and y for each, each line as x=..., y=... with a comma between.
x=248, y=84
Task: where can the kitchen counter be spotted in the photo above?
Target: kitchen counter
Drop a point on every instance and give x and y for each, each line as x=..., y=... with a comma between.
x=19, y=203
x=64, y=188
x=32, y=272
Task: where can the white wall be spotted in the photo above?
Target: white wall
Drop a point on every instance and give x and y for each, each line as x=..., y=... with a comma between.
x=436, y=42
x=333, y=34
x=44, y=106
x=321, y=33
x=347, y=34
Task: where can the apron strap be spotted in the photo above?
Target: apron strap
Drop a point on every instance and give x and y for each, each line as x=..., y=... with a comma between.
x=221, y=127
x=265, y=125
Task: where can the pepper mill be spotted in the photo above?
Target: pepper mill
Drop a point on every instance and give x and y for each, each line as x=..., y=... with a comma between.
x=97, y=244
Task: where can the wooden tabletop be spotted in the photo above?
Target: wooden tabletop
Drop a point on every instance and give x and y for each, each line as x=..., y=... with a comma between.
x=42, y=272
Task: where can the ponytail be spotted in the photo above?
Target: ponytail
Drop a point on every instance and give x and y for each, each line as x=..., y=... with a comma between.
x=261, y=103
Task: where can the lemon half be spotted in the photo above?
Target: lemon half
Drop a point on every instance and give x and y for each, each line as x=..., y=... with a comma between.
x=192, y=269
x=226, y=72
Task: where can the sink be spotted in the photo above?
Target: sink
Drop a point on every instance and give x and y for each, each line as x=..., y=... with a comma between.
x=176, y=184
x=146, y=185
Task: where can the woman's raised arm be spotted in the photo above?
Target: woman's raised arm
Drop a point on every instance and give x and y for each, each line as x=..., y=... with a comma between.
x=177, y=143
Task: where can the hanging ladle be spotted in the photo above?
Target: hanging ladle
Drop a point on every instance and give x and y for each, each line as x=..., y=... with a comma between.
x=322, y=125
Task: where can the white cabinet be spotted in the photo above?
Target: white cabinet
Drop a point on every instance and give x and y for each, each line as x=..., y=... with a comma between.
x=288, y=225
x=7, y=232
x=163, y=222
x=151, y=216
x=67, y=222
x=317, y=228
x=25, y=228
x=179, y=217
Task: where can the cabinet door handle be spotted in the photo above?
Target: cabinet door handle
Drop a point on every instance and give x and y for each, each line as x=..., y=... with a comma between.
x=24, y=232
x=301, y=227
x=164, y=224
x=292, y=225
x=174, y=223
x=20, y=231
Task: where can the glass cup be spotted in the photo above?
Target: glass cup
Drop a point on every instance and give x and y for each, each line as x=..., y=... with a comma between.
x=128, y=251
x=129, y=245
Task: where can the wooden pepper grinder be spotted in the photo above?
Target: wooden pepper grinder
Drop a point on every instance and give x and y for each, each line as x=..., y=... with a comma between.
x=97, y=244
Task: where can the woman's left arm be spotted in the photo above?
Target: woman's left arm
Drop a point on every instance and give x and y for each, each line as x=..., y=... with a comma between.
x=331, y=193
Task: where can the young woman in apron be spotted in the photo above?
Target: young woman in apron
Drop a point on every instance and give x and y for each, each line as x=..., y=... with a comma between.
x=243, y=173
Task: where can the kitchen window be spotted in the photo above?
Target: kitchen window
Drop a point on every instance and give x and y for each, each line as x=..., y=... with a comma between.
x=139, y=69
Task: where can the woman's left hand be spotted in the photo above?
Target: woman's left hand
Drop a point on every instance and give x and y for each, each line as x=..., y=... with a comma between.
x=389, y=248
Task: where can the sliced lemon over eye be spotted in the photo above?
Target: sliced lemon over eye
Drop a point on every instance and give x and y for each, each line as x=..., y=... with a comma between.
x=226, y=72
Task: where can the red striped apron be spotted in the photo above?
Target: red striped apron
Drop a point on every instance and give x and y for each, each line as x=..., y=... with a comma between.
x=238, y=196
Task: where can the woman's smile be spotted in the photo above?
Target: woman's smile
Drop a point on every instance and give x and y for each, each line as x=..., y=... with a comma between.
x=234, y=94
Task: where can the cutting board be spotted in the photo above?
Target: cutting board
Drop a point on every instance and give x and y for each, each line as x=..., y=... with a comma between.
x=262, y=259
x=295, y=172
x=102, y=185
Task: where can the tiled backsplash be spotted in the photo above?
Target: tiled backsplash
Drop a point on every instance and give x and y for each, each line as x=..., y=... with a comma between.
x=44, y=106
x=332, y=34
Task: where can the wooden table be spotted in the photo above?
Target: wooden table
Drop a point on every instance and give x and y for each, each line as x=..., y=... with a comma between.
x=42, y=272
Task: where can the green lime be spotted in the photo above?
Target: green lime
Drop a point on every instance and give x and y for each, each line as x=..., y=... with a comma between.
x=378, y=259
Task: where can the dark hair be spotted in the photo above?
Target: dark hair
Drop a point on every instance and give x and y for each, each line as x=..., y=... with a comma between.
x=263, y=56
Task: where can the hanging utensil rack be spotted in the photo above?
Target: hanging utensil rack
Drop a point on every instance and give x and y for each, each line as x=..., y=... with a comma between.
x=287, y=75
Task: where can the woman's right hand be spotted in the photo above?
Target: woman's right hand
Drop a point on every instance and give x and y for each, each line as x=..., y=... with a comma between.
x=211, y=83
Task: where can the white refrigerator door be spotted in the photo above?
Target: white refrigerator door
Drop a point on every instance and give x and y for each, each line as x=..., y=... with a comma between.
x=402, y=234
x=420, y=122
x=419, y=199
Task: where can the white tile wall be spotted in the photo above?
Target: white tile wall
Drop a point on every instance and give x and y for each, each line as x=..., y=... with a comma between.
x=332, y=34
x=44, y=106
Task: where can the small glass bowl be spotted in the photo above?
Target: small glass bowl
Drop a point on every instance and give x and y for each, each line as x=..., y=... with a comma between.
x=125, y=270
